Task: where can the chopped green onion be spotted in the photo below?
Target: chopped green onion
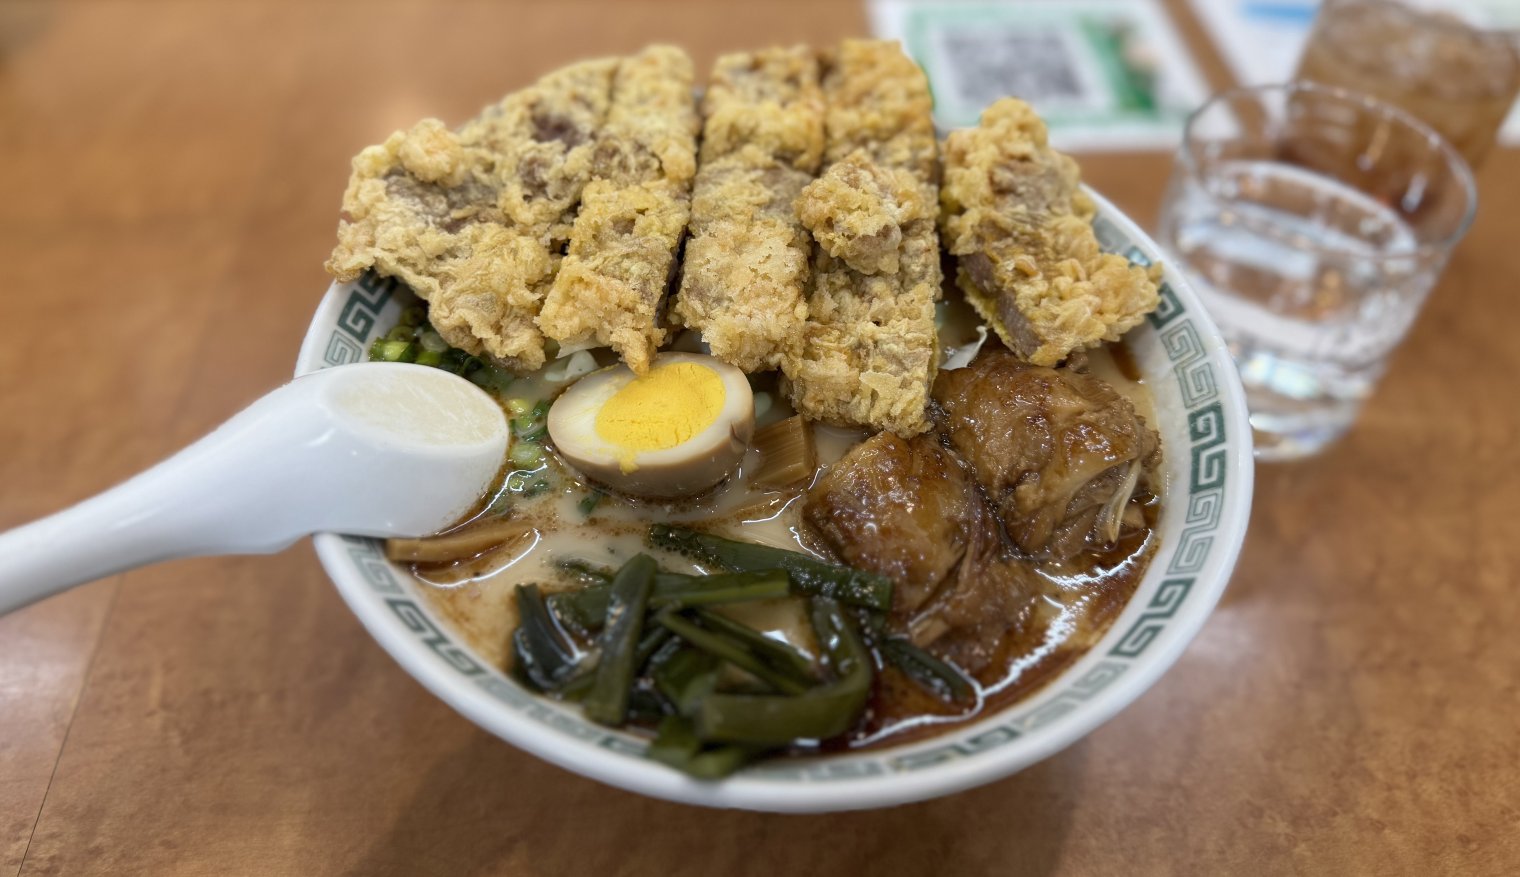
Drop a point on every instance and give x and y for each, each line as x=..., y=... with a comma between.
x=432, y=341
x=491, y=379
x=429, y=357
x=461, y=363
x=809, y=575
x=607, y=701
x=589, y=502
x=524, y=416
x=576, y=687
x=661, y=654
x=386, y=350
x=413, y=315
x=525, y=455
x=944, y=679
x=401, y=333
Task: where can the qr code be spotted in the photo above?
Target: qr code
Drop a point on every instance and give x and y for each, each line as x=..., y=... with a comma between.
x=1037, y=64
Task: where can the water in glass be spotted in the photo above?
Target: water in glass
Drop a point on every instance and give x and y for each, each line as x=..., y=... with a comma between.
x=1313, y=260
x=1310, y=326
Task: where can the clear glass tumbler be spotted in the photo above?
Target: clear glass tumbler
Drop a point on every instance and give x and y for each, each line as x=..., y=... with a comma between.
x=1313, y=222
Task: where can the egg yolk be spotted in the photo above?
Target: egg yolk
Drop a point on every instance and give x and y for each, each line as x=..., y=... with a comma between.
x=664, y=408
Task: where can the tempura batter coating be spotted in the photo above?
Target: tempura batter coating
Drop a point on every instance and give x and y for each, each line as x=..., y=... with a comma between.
x=879, y=101
x=857, y=210
x=769, y=100
x=870, y=348
x=745, y=273
x=632, y=215
x=746, y=263
x=473, y=221
x=1030, y=263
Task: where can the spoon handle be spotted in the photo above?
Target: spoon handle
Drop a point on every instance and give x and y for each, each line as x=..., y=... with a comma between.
x=214, y=497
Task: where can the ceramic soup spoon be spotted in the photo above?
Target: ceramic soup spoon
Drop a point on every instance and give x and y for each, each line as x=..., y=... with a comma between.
x=372, y=449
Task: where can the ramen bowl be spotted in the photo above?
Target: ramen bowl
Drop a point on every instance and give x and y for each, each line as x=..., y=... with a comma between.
x=1207, y=469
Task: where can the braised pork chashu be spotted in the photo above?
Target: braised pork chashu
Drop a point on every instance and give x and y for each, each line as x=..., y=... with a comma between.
x=1052, y=449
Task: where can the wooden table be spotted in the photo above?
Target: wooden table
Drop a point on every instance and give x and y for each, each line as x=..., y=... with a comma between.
x=169, y=179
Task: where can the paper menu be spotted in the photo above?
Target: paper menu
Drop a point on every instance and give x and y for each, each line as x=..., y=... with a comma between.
x=1104, y=74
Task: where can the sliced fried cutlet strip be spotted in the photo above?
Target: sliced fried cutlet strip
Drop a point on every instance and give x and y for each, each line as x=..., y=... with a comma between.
x=870, y=348
x=632, y=214
x=745, y=272
x=473, y=220
x=869, y=354
x=769, y=100
x=879, y=101
x=857, y=210
x=1030, y=264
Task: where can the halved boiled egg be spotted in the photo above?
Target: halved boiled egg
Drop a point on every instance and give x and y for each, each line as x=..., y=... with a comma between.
x=676, y=431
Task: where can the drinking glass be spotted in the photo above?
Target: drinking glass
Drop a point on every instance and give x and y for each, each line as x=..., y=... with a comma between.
x=1452, y=63
x=1312, y=221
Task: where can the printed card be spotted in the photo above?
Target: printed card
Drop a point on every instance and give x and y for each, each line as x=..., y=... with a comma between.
x=1104, y=74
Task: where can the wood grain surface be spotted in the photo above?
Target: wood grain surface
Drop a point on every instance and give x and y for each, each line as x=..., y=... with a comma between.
x=169, y=180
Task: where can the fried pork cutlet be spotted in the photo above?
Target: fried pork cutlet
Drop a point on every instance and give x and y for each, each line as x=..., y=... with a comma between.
x=879, y=101
x=632, y=214
x=857, y=210
x=746, y=264
x=473, y=220
x=870, y=349
x=768, y=99
x=1030, y=263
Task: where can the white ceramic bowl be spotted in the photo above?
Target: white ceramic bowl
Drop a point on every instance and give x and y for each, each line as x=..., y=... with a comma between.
x=1206, y=443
